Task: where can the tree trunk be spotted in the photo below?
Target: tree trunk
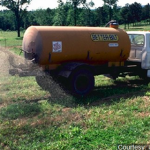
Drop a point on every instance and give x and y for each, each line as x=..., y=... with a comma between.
x=18, y=26
x=75, y=13
x=110, y=13
x=18, y=22
x=125, y=25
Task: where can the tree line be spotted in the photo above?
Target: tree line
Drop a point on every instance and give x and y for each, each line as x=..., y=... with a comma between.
x=70, y=14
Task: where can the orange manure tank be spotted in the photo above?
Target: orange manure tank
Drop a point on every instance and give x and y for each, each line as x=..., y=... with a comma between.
x=54, y=45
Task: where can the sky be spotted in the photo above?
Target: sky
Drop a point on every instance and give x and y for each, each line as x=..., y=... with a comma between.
x=37, y=4
x=43, y=4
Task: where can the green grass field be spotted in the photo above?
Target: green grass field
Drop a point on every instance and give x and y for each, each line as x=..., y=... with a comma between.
x=138, y=27
x=116, y=112
x=9, y=39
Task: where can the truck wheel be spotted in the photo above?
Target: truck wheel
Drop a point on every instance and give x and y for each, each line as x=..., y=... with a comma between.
x=82, y=82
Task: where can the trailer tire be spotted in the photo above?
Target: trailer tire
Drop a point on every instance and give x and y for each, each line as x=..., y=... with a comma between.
x=82, y=81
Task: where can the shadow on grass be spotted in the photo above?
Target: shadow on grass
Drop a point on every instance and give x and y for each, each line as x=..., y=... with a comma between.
x=19, y=38
x=120, y=89
x=101, y=95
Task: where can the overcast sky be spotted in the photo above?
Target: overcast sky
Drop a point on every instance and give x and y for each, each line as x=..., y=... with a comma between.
x=37, y=4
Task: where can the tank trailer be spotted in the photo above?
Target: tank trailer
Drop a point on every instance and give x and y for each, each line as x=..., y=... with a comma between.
x=77, y=54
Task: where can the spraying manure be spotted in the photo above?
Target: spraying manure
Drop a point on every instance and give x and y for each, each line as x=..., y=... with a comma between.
x=8, y=60
x=12, y=64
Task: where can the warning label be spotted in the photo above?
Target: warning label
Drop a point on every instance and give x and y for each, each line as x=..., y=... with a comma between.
x=57, y=46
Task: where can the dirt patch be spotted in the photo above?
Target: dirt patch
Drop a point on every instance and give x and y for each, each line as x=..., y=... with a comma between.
x=9, y=60
x=142, y=114
x=4, y=64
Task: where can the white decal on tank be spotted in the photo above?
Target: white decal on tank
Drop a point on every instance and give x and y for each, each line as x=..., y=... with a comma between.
x=57, y=46
x=113, y=44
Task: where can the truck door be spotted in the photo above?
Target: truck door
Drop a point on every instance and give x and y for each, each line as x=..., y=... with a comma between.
x=137, y=45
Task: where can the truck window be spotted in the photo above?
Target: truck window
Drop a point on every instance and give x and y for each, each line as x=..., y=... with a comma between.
x=137, y=40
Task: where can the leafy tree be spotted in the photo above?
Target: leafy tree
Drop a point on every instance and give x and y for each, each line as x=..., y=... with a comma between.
x=146, y=12
x=116, y=12
x=86, y=16
x=60, y=14
x=43, y=17
x=6, y=20
x=110, y=4
x=64, y=14
x=69, y=18
x=30, y=19
x=103, y=14
x=136, y=11
x=49, y=16
x=18, y=7
x=126, y=15
x=100, y=16
x=75, y=4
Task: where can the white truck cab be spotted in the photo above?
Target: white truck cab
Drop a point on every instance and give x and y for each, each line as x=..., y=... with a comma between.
x=140, y=49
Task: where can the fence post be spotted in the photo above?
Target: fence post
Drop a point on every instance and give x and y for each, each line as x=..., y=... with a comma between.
x=5, y=43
